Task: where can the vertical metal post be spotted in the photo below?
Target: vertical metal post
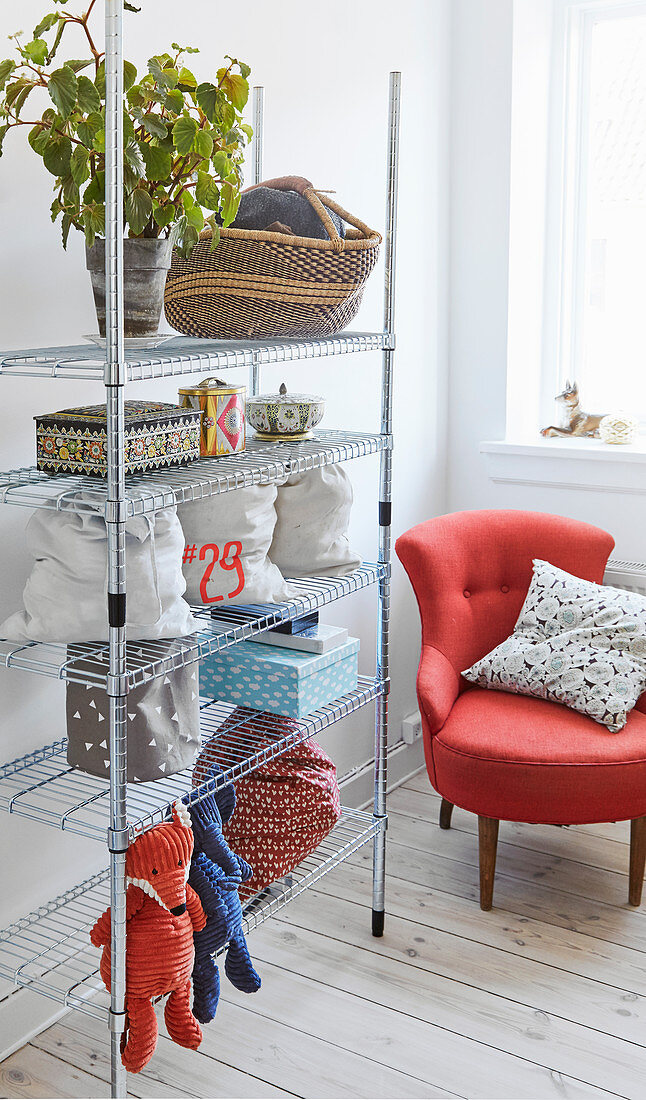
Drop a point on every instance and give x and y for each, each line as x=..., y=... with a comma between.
x=385, y=497
x=258, y=137
x=115, y=521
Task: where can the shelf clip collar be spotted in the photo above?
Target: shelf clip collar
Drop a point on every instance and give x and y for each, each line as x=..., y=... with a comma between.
x=117, y=686
x=116, y=511
x=115, y=374
x=116, y=1022
x=118, y=840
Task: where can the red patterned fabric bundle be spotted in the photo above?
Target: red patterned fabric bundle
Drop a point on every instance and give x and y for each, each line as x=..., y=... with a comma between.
x=283, y=810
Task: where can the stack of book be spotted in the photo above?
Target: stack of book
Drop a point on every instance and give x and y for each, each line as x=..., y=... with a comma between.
x=305, y=633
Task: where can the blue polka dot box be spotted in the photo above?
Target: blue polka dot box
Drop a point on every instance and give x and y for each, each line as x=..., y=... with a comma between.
x=283, y=681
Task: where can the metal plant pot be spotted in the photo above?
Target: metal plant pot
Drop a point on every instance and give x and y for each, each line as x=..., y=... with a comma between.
x=145, y=265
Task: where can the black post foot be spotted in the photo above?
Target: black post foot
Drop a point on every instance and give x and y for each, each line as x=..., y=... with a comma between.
x=378, y=917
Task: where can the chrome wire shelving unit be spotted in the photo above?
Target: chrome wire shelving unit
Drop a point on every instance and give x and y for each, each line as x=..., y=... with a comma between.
x=49, y=950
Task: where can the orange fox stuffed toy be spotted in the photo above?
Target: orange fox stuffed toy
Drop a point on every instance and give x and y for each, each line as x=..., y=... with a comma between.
x=162, y=911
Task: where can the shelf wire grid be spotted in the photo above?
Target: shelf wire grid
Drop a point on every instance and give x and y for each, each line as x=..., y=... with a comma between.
x=42, y=785
x=184, y=355
x=87, y=662
x=262, y=463
x=49, y=950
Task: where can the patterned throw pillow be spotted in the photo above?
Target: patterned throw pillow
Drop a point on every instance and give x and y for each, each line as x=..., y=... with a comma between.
x=576, y=643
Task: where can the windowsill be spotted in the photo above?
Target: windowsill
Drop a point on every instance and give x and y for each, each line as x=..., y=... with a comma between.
x=568, y=464
x=570, y=448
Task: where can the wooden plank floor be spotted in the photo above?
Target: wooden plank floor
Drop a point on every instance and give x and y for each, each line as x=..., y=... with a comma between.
x=542, y=997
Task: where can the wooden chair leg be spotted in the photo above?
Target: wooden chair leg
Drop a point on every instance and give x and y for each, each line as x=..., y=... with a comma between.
x=637, y=859
x=446, y=809
x=488, y=842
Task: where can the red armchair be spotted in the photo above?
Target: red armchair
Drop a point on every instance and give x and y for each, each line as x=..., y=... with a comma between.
x=507, y=757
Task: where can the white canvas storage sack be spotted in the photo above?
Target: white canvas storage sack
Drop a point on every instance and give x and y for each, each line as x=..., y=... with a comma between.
x=65, y=598
x=227, y=542
x=313, y=512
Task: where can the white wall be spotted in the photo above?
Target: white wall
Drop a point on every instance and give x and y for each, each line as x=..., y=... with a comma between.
x=533, y=33
x=325, y=71
x=480, y=142
x=490, y=162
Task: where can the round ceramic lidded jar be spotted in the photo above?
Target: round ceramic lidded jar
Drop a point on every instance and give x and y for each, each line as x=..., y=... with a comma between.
x=285, y=416
x=222, y=430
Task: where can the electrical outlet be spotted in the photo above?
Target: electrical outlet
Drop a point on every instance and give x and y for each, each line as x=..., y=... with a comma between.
x=412, y=727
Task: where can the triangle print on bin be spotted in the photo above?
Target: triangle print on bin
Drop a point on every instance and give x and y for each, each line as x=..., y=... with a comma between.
x=163, y=726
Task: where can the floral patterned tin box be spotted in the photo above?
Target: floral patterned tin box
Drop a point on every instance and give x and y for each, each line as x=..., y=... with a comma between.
x=282, y=681
x=157, y=436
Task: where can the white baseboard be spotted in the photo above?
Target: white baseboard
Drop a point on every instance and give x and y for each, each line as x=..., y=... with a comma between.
x=23, y=1015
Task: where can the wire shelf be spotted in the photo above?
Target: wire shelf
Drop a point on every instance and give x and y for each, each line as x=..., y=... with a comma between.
x=354, y=829
x=260, y=464
x=49, y=950
x=88, y=662
x=42, y=785
x=185, y=355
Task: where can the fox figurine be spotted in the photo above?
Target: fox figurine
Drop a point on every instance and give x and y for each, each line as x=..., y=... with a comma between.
x=162, y=912
x=578, y=422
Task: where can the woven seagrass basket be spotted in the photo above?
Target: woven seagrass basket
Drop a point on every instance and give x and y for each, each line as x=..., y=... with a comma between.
x=258, y=284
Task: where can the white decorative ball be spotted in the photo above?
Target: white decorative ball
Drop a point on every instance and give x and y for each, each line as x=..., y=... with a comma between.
x=618, y=428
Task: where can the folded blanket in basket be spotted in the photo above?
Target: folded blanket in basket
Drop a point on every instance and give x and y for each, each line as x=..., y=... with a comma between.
x=264, y=205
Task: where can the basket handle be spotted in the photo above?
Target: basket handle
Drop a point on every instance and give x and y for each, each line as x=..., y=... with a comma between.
x=283, y=183
x=319, y=202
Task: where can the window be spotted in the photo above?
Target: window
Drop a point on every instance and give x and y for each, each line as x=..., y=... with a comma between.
x=601, y=340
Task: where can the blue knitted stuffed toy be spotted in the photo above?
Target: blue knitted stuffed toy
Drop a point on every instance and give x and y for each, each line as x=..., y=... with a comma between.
x=216, y=874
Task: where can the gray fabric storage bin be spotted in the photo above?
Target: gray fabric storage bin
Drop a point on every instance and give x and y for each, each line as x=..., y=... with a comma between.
x=163, y=726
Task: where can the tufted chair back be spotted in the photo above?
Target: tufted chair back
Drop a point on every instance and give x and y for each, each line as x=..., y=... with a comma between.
x=470, y=572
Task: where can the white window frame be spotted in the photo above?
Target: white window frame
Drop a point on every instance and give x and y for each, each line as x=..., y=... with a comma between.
x=566, y=193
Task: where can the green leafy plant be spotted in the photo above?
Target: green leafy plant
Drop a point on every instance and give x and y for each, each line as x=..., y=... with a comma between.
x=184, y=140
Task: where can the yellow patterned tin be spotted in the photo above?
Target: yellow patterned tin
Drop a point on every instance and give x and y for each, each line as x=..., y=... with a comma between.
x=223, y=415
